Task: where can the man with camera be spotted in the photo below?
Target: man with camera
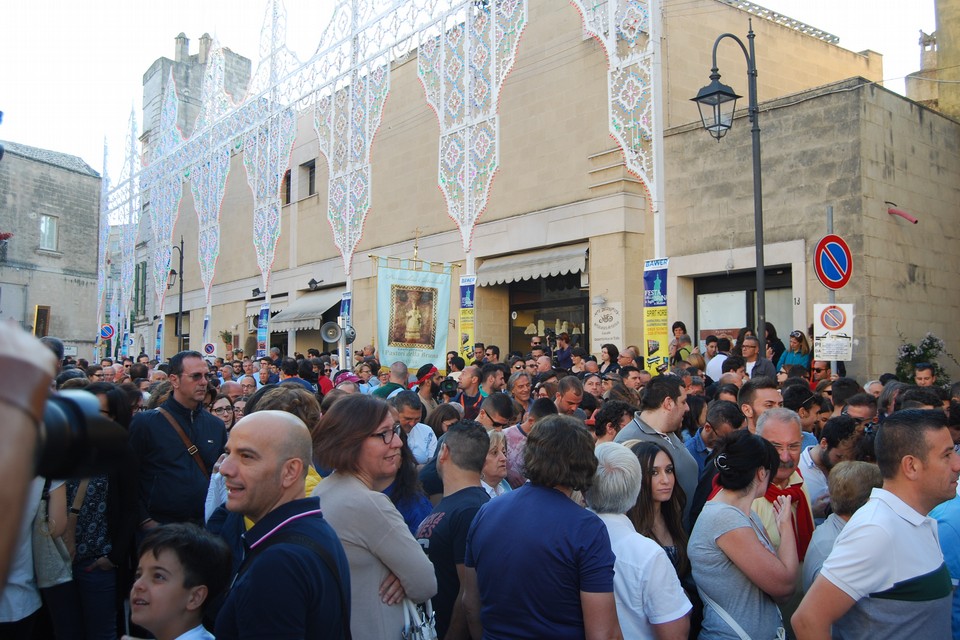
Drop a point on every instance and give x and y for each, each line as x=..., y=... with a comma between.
x=176, y=446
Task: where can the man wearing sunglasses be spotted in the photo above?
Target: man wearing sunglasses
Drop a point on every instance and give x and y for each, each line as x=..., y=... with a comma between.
x=174, y=475
x=496, y=411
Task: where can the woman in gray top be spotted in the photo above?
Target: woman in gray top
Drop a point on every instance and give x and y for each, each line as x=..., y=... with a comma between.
x=360, y=440
x=738, y=572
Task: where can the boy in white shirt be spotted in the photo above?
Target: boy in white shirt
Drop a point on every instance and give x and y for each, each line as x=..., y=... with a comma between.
x=181, y=569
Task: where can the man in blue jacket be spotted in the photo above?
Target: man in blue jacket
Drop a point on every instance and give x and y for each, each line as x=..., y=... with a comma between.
x=176, y=461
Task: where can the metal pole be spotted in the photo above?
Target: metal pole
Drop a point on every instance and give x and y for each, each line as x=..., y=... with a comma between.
x=659, y=205
x=832, y=295
x=757, y=195
x=180, y=304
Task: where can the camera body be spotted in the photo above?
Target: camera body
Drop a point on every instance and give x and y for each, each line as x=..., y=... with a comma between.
x=75, y=439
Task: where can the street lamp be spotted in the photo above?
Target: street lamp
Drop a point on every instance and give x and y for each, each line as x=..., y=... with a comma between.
x=717, y=102
x=172, y=280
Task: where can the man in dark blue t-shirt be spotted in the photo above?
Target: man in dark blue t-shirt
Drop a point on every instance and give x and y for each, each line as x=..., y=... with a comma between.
x=443, y=534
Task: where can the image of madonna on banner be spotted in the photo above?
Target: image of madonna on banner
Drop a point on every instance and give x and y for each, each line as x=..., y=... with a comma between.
x=413, y=309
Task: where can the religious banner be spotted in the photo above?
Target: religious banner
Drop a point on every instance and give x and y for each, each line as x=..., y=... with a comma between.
x=413, y=310
x=655, y=330
x=262, y=330
x=468, y=290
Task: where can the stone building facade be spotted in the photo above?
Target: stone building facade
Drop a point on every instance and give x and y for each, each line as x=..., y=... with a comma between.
x=50, y=202
x=562, y=195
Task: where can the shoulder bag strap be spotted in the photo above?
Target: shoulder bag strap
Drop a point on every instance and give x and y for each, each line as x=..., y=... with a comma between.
x=78, y=499
x=191, y=448
x=737, y=629
x=302, y=540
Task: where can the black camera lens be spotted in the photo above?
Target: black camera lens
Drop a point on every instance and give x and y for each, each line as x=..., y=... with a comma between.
x=75, y=439
x=448, y=387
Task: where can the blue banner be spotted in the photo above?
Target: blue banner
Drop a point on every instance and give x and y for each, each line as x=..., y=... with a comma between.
x=158, y=353
x=346, y=311
x=262, y=335
x=413, y=314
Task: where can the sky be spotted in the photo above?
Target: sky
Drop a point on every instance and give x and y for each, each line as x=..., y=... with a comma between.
x=71, y=71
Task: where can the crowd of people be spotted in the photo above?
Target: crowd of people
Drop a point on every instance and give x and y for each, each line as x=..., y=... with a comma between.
x=550, y=493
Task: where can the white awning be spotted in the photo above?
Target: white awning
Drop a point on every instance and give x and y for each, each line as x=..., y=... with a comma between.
x=306, y=312
x=276, y=304
x=533, y=264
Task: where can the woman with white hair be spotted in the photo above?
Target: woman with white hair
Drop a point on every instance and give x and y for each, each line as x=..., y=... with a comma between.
x=650, y=601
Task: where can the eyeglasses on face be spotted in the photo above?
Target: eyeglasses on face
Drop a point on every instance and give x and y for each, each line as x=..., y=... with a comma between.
x=518, y=367
x=221, y=411
x=820, y=369
x=387, y=436
x=499, y=425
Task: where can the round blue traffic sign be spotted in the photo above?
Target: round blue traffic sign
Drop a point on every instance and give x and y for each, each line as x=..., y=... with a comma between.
x=833, y=262
x=106, y=331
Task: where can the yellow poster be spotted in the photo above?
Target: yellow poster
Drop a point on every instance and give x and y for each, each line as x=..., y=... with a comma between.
x=468, y=286
x=656, y=356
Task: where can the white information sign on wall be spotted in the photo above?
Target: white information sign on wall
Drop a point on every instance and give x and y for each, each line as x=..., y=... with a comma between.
x=606, y=326
x=833, y=332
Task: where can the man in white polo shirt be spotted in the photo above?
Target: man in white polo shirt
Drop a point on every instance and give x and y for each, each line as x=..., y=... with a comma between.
x=886, y=577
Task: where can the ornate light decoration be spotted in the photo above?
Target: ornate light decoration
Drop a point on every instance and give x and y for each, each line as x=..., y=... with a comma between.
x=462, y=70
x=622, y=27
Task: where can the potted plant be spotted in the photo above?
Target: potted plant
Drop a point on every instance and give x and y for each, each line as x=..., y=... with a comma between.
x=4, y=236
x=227, y=337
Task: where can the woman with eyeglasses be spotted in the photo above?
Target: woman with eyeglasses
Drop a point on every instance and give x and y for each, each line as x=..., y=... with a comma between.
x=239, y=406
x=493, y=476
x=223, y=409
x=359, y=438
x=798, y=351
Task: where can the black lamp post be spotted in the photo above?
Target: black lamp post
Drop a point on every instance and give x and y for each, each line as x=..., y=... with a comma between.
x=171, y=280
x=717, y=102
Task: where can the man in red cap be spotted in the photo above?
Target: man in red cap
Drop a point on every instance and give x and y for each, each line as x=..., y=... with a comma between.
x=427, y=387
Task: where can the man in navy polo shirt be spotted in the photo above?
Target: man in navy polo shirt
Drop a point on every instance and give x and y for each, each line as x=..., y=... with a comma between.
x=295, y=580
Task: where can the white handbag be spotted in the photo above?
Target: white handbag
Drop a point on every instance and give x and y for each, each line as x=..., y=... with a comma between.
x=419, y=622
